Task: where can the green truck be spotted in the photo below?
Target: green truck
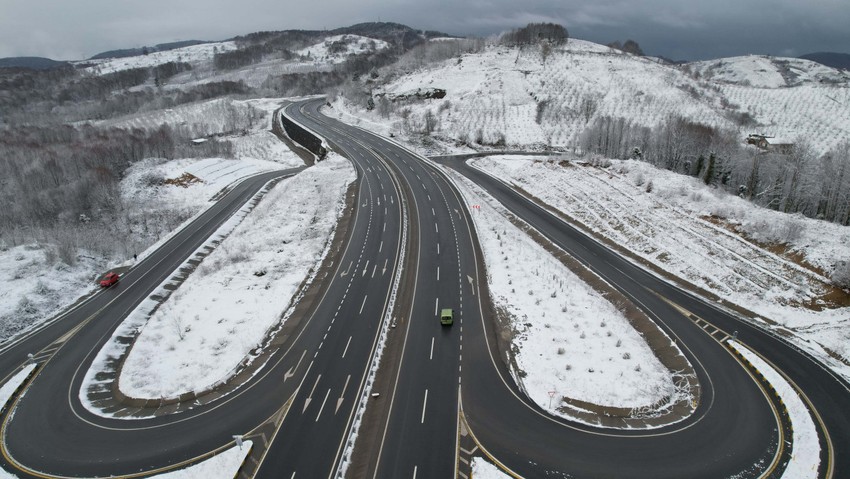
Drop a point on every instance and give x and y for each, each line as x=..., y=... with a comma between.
x=446, y=317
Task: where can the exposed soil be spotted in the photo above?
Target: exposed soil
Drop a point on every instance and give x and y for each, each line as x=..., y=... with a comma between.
x=185, y=180
x=830, y=297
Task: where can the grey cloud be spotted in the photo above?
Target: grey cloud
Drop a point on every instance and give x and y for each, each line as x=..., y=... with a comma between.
x=674, y=28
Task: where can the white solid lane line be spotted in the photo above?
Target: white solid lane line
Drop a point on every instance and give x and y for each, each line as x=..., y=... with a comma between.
x=323, y=404
x=424, y=403
x=364, y=304
x=346, y=346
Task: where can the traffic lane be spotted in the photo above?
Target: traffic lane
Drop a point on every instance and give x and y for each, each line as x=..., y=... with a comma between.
x=314, y=428
x=421, y=434
x=292, y=451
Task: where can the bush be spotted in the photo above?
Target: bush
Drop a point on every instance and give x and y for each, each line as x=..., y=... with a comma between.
x=841, y=274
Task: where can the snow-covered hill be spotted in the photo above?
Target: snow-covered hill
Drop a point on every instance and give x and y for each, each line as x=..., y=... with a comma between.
x=337, y=48
x=522, y=98
x=763, y=71
x=195, y=55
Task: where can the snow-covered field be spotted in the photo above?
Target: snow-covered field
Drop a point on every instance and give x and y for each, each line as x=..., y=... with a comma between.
x=569, y=338
x=224, y=309
x=762, y=71
x=245, y=124
x=680, y=226
x=36, y=286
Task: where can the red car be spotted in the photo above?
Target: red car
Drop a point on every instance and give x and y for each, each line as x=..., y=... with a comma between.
x=110, y=279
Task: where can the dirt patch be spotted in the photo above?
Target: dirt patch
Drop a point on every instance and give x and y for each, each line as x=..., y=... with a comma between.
x=184, y=181
x=830, y=296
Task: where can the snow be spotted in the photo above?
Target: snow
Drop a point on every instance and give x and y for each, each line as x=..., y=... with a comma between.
x=224, y=465
x=241, y=290
x=6, y=392
x=569, y=338
x=805, y=456
x=481, y=469
x=194, y=55
x=679, y=227
x=762, y=71
x=211, y=176
x=35, y=287
x=354, y=44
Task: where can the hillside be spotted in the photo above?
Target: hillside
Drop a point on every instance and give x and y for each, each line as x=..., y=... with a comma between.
x=763, y=71
x=133, y=52
x=508, y=96
x=32, y=63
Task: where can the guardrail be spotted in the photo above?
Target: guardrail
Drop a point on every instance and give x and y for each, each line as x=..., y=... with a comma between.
x=304, y=137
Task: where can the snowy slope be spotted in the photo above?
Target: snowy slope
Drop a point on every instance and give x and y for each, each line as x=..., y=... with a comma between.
x=325, y=53
x=194, y=55
x=762, y=71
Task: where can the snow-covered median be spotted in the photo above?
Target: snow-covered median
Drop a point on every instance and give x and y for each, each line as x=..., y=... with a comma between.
x=481, y=469
x=569, y=339
x=202, y=333
x=805, y=455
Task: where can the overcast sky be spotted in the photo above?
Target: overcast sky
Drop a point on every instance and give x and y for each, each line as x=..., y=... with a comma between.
x=678, y=29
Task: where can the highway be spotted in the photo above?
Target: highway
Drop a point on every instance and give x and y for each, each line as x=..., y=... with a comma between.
x=409, y=250
x=734, y=430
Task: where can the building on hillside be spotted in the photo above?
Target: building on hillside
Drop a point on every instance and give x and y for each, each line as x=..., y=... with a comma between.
x=770, y=143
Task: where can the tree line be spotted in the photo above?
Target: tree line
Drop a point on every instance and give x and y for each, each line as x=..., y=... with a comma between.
x=796, y=181
x=60, y=184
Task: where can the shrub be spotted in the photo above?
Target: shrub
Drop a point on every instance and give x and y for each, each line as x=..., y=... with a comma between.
x=841, y=274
